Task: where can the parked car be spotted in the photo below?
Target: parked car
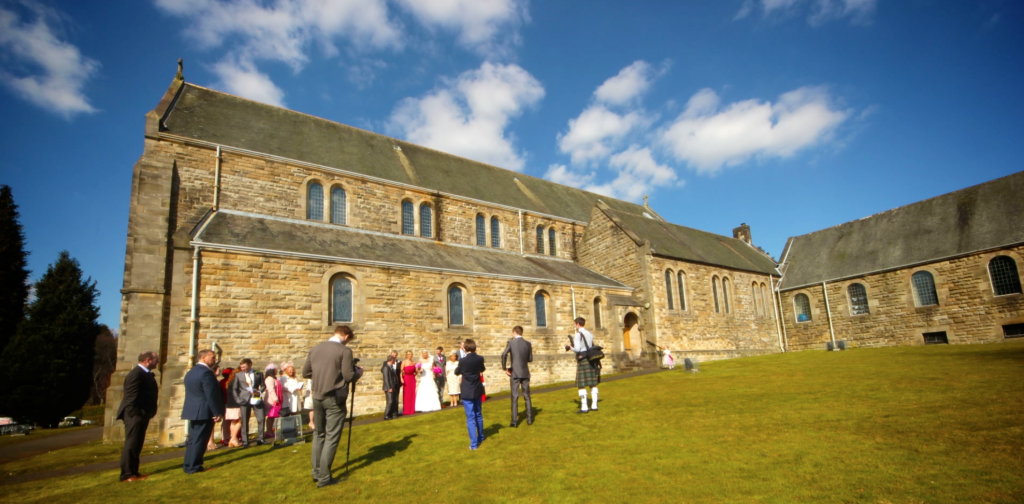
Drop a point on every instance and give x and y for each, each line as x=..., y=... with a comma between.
x=88, y=422
x=70, y=421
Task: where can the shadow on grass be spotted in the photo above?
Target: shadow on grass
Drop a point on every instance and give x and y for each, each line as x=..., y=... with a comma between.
x=493, y=429
x=379, y=453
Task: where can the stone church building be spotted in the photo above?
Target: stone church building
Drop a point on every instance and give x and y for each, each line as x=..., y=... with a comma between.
x=255, y=230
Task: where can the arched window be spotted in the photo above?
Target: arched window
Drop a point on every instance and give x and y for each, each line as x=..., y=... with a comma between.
x=668, y=288
x=858, y=299
x=408, y=225
x=481, y=231
x=803, y=307
x=714, y=292
x=1005, y=279
x=315, y=202
x=495, y=233
x=681, y=277
x=426, y=221
x=337, y=205
x=764, y=300
x=924, y=289
x=455, y=306
x=341, y=299
x=551, y=241
x=540, y=239
x=753, y=298
x=597, y=314
x=725, y=294
x=542, y=313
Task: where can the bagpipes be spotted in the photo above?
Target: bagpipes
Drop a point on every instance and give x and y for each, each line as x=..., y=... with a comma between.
x=592, y=354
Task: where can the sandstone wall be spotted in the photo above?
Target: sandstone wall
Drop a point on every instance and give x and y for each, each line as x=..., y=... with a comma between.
x=968, y=311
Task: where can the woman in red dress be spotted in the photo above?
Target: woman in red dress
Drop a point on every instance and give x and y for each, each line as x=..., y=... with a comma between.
x=408, y=385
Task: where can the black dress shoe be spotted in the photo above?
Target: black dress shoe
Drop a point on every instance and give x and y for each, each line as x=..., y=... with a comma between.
x=246, y=445
x=529, y=421
x=581, y=411
x=513, y=425
x=333, y=481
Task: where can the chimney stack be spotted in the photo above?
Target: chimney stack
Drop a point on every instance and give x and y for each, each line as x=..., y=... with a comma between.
x=742, y=233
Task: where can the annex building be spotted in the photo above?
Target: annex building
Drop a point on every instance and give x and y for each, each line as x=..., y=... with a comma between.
x=254, y=230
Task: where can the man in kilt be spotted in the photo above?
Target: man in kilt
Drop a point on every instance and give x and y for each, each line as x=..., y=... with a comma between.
x=587, y=374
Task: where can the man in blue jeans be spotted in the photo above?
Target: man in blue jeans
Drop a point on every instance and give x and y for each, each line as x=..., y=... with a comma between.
x=469, y=369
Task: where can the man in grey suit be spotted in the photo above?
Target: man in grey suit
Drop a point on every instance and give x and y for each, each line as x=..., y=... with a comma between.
x=521, y=352
x=438, y=361
x=332, y=368
x=248, y=389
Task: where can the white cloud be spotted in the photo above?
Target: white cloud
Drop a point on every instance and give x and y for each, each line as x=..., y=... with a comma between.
x=638, y=175
x=479, y=23
x=54, y=70
x=594, y=133
x=284, y=29
x=629, y=84
x=820, y=11
x=561, y=174
x=708, y=137
x=467, y=116
x=243, y=79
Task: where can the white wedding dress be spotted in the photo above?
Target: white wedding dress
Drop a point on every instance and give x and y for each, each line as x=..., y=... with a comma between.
x=426, y=391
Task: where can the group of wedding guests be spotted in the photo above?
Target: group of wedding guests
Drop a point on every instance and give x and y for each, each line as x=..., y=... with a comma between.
x=419, y=385
x=276, y=392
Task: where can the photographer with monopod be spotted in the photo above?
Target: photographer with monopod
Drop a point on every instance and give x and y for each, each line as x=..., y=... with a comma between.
x=333, y=369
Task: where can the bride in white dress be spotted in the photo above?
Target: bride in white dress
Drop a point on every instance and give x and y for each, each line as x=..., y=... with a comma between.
x=426, y=389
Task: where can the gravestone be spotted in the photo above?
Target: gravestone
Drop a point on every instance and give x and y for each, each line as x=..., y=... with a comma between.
x=691, y=365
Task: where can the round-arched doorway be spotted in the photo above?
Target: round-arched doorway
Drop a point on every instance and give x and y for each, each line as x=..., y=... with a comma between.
x=631, y=338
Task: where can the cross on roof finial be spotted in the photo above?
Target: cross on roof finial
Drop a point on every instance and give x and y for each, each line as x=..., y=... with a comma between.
x=180, y=65
x=645, y=200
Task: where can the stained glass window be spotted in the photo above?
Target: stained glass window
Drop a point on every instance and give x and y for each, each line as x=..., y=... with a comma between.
x=341, y=302
x=455, y=310
x=338, y=205
x=408, y=225
x=803, y=307
x=858, y=299
x=315, y=202
x=542, y=315
x=426, y=221
x=481, y=231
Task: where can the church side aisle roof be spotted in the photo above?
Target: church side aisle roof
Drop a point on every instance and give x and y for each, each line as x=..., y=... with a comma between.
x=267, y=236
x=694, y=245
x=981, y=217
x=223, y=119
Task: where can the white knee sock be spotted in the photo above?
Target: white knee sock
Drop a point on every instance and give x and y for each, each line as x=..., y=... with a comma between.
x=593, y=395
x=583, y=399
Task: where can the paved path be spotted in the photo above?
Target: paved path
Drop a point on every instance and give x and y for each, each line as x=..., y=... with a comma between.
x=45, y=444
x=114, y=464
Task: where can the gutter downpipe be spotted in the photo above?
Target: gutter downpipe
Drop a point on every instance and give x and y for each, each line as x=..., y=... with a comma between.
x=216, y=184
x=828, y=311
x=778, y=320
x=520, y=232
x=573, y=289
x=195, y=307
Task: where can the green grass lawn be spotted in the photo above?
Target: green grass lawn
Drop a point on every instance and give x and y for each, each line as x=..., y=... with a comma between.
x=894, y=425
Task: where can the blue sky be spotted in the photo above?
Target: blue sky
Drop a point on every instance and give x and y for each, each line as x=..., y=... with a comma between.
x=788, y=115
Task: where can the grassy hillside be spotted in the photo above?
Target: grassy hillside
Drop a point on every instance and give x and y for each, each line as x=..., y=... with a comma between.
x=895, y=425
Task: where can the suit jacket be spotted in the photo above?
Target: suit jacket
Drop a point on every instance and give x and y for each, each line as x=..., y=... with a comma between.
x=469, y=369
x=140, y=395
x=521, y=352
x=239, y=390
x=203, y=398
x=391, y=379
x=331, y=366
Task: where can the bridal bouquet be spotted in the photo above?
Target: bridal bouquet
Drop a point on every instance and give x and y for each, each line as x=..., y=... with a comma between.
x=418, y=366
x=437, y=371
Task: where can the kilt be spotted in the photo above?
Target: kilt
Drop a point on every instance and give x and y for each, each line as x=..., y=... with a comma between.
x=586, y=374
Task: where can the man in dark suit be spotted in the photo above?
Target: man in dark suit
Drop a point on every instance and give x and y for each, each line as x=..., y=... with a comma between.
x=521, y=352
x=204, y=406
x=391, y=387
x=138, y=406
x=332, y=368
x=248, y=389
x=470, y=368
x=438, y=361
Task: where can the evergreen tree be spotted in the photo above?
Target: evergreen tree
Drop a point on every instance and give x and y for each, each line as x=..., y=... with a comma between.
x=13, y=273
x=48, y=365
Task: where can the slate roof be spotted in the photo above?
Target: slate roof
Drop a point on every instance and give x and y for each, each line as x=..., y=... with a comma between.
x=330, y=243
x=220, y=118
x=688, y=244
x=985, y=216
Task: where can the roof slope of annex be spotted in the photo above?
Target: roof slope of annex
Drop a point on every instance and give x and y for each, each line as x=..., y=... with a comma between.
x=688, y=244
x=981, y=217
x=224, y=119
x=265, y=235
